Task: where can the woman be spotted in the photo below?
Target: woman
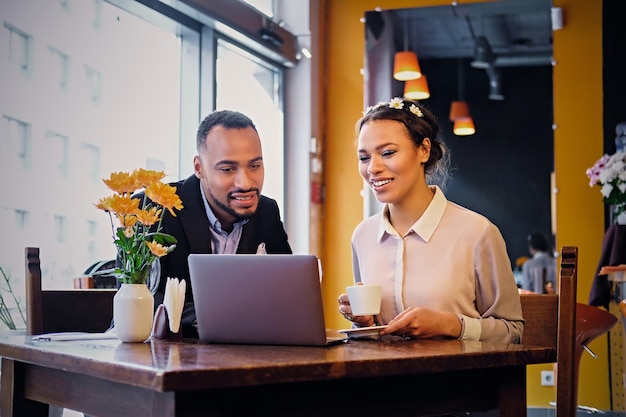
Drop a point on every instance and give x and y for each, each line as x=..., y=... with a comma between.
x=444, y=269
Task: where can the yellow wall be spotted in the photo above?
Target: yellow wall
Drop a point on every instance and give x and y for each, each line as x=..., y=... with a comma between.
x=578, y=143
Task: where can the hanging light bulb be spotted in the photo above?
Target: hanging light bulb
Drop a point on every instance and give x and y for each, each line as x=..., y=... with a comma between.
x=464, y=127
x=417, y=89
x=459, y=110
x=405, y=65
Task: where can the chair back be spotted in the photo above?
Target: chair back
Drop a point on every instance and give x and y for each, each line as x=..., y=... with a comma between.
x=551, y=321
x=79, y=310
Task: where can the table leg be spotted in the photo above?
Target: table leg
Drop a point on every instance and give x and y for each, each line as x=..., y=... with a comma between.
x=12, y=401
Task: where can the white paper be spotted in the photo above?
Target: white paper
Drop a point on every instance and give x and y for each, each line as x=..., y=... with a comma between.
x=173, y=301
x=67, y=336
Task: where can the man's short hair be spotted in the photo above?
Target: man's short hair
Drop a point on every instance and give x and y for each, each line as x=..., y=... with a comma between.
x=230, y=119
x=538, y=242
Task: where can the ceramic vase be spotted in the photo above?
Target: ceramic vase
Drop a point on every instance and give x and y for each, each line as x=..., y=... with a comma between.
x=133, y=309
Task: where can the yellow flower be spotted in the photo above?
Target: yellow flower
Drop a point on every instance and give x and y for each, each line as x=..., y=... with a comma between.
x=128, y=220
x=164, y=195
x=145, y=177
x=129, y=232
x=122, y=182
x=139, y=239
x=157, y=249
x=149, y=217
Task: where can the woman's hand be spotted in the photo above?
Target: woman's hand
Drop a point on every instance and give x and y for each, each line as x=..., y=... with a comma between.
x=346, y=310
x=423, y=323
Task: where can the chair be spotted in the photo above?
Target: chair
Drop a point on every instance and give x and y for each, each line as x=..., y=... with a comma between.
x=551, y=321
x=577, y=325
x=81, y=310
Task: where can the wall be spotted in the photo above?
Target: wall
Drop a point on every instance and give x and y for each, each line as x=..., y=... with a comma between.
x=578, y=142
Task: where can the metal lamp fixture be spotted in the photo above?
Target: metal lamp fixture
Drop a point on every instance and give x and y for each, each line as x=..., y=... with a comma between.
x=483, y=54
x=406, y=66
x=417, y=89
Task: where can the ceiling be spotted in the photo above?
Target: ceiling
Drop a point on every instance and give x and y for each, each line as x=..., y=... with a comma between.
x=519, y=31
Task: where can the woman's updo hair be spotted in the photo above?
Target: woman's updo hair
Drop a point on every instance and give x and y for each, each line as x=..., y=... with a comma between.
x=420, y=123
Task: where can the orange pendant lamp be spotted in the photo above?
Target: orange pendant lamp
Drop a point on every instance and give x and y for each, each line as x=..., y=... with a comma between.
x=405, y=64
x=464, y=127
x=459, y=110
x=417, y=89
x=406, y=67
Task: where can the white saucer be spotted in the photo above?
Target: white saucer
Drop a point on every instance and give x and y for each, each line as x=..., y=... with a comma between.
x=362, y=331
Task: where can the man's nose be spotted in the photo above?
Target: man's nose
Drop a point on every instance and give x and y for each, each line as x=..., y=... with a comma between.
x=244, y=180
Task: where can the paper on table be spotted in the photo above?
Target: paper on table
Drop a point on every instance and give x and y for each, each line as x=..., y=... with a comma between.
x=173, y=301
x=67, y=336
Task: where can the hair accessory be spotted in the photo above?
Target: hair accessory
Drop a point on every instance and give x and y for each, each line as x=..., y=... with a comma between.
x=395, y=103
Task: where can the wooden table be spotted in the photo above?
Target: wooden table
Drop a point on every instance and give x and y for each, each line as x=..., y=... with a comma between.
x=364, y=378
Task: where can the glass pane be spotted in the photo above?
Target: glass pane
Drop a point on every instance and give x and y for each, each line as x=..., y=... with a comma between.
x=119, y=110
x=246, y=84
x=264, y=6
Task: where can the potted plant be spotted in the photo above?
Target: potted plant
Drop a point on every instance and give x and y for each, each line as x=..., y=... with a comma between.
x=136, y=227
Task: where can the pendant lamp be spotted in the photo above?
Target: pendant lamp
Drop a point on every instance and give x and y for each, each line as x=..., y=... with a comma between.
x=417, y=89
x=459, y=110
x=464, y=127
x=406, y=66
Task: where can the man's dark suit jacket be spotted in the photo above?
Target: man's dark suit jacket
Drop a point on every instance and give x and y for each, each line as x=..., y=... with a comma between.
x=191, y=228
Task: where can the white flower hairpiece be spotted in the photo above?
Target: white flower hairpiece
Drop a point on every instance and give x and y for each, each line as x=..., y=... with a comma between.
x=395, y=103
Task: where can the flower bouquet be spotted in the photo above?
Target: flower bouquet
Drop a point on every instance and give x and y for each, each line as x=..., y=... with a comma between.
x=610, y=173
x=138, y=238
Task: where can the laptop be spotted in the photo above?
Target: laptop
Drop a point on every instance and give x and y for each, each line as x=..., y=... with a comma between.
x=259, y=299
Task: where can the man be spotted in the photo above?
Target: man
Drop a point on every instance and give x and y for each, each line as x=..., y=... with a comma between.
x=539, y=272
x=224, y=211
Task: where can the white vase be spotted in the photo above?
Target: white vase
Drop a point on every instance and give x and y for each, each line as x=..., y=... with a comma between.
x=133, y=309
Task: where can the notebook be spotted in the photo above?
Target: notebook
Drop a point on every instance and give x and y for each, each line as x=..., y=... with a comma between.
x=259, y=299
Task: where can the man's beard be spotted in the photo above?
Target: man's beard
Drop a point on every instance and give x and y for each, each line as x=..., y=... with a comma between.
x=238, y=217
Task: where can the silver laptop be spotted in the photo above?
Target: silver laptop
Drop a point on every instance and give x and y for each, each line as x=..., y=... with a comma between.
x=259, y=299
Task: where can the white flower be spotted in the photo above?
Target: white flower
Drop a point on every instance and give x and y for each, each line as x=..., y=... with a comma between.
x=396, y=103
x=416, y=110
x=610, y=173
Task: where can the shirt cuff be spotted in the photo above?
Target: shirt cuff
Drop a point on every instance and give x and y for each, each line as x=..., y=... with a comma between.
x=470, y=328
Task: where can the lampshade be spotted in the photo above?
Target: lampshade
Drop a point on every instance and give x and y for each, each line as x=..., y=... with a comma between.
x=459, y=110
x=417, y=89
x=483, y=54
x=464, y=127
x=406, y=66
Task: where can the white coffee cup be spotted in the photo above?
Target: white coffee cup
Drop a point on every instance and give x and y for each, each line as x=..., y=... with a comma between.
x=365, y=299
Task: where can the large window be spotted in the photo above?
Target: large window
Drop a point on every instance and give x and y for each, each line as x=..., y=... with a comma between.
x=102, y=86
x=251, y=86
x=89, y=90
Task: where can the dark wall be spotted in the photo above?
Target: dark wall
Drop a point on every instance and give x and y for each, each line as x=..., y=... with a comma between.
x=614, y=83
x=503, y=170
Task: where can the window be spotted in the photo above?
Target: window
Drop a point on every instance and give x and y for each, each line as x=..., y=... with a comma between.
x=131, y=97
x=20, y=47
x=21, y=219
x=60, y=229
x=57, y=152
x=266, y=7
x=60, y=67
x=93, y=83
x=240, y=74
x=89, y=162
x=18, y=133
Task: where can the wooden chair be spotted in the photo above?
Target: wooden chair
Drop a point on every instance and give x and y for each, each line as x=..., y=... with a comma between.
x=80, y=310
x=551, y=321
